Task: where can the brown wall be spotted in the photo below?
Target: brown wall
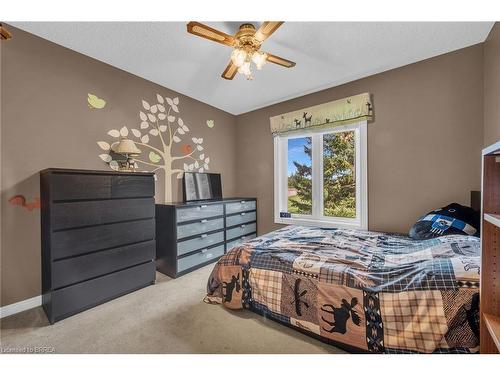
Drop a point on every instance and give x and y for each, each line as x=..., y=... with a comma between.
x=492, y=86
x=424, y=145
x=46, y=122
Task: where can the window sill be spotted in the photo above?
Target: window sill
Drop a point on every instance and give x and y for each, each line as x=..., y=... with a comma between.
x=339, y=223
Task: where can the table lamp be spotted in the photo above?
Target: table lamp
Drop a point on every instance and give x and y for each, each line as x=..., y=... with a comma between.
x=127, y=148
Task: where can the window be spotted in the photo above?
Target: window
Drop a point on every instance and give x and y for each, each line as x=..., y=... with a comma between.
x=320, y=177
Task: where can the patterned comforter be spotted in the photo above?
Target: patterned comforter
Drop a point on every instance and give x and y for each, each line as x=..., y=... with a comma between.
x=378, y=292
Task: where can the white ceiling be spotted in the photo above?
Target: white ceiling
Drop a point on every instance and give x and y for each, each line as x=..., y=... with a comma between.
x=327, y=54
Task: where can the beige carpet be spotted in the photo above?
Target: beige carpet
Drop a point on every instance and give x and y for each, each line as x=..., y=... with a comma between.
x=168, y=317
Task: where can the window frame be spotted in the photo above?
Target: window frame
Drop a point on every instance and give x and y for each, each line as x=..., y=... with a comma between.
x=317, y=217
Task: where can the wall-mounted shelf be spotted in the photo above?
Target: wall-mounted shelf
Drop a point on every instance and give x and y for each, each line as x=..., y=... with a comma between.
x=493, y=326
x=493, y=219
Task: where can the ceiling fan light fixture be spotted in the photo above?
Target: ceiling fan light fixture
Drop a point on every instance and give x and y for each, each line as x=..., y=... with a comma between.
x=259, y=59
x=245, y=70
x=239, y=56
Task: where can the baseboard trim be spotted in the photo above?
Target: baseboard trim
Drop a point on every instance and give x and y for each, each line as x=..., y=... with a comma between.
x=20, y=306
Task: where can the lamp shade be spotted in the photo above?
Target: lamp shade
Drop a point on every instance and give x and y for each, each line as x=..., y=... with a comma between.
x=127, y=146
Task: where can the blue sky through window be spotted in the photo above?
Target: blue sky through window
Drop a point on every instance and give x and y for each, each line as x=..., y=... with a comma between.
x=296, y=153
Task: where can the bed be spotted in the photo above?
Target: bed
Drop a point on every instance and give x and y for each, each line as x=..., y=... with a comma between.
x=359, y=290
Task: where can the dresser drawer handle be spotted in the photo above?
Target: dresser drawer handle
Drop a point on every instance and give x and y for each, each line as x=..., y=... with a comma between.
x=204, y=251
x=203, y=235
x=242, y=225
x=242, y=202
x=243, y=214
x=203, y=221
x=203, y=206
x=243, y=238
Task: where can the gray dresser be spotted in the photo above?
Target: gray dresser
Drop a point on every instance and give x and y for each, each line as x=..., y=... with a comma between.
x=191, y=235
x=98, y=237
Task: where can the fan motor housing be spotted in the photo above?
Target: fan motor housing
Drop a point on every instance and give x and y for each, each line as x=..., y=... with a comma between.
x=245, y=36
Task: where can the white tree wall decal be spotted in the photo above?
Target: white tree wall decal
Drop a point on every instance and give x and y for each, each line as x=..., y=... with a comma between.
x=160, y=123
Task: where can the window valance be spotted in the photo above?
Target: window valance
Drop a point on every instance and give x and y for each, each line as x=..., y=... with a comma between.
x=339, y=112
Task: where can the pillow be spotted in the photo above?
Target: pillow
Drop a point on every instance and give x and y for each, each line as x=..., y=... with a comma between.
x=452, y=219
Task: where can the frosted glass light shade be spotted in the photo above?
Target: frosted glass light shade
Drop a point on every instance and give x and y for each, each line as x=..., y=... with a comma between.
x=245, y=69
x=238, y=57
x=259, y=59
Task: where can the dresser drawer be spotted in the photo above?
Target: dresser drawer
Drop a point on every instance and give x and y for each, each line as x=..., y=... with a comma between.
x=232, y=208
x=240, y=231
x=199, y=212
x=233, y=243
x=244, y=217
x=68, y=186
x=200, y=242
x=79, y=214
x=75, y=298
x=199, y=258
x=132, y=186
x=73, y=242
x=74, y=270
x=203, y=226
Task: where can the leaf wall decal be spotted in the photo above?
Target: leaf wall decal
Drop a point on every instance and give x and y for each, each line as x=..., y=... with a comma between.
x=114, y=133
x=106, y=157
x=104, y=145
x=114, y=165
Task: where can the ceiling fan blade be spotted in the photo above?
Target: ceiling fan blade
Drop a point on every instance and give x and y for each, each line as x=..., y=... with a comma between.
x=266, y=29
x=4, y=33
x=209, y=33
x=280, y=61
x=230, y=71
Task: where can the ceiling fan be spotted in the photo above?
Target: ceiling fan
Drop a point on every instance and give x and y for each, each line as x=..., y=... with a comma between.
x=246, y=43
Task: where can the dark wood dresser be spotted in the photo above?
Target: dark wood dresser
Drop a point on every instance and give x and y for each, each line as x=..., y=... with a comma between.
x=192, y=235
x=98, y=237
